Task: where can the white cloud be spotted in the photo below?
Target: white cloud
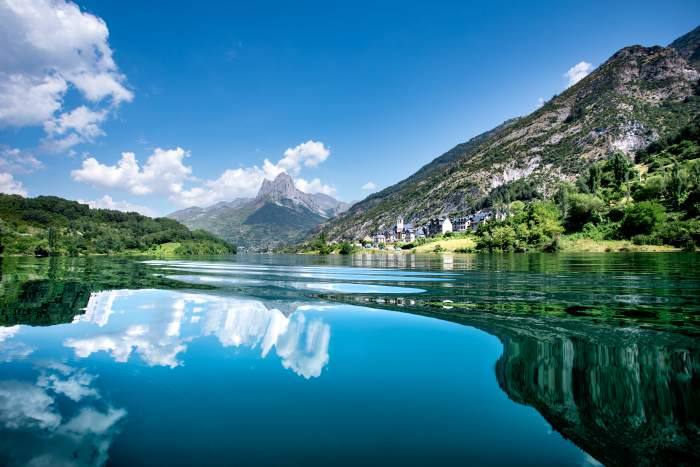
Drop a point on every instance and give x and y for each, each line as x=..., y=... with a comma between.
x=13, y=160
x=7, y=332
x=23, y=405
x=29, y=101
x=12, y=350
x=76, y=386
x=369, y=186
x=309, y=154
x=300, y=343
x=70, y=128
x=10, y=186
x=92, y=421
x=106, y=202
x=163, y=172
x=540, y=102
x=233, y=183
x=314, y=186
x=577, y=72
x=49, y=47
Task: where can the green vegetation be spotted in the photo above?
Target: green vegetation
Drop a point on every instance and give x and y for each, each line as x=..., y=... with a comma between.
x=639, y=92
x=536, y=225
x=52, y=226
x=616, y=204
x=46, y=291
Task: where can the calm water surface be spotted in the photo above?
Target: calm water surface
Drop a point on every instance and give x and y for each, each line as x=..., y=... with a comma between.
x=392, y=360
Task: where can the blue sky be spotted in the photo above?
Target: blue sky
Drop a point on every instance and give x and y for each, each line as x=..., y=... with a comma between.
x=346, y=93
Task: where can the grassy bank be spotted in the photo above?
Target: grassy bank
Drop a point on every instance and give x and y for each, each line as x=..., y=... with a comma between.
x=587, y=245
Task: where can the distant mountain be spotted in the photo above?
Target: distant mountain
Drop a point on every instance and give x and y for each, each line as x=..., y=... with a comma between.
x=280, y=214
x=637, y=96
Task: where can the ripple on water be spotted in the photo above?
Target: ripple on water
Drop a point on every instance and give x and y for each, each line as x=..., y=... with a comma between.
x=343, y=287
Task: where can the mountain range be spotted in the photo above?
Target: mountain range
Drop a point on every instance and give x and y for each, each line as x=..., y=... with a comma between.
x=639, y=95
x=279, y=215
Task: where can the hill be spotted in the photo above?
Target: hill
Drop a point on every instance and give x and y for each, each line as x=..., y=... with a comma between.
x=48, y=225
x=279, y=215
x=638, y=96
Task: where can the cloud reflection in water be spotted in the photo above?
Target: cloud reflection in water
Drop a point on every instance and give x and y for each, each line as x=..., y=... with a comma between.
x=173, y=320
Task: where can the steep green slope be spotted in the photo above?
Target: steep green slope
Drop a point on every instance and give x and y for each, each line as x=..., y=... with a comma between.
x=636, y=97
x=48, y=225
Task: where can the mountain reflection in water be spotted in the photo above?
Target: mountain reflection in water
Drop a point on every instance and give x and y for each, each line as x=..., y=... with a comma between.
x=608, y=353
x=625, y=399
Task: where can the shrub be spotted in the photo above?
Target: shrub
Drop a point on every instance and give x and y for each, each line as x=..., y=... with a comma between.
x=645, y=240
x=346, y=248
x=653, y=188
x=642, y=218
x=680, y=233
x=583, y=208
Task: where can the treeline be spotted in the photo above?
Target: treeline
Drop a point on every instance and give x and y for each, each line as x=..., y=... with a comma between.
x=52, y=226
x=656, y=202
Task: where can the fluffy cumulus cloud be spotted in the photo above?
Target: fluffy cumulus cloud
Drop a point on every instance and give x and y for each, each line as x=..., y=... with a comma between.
x=314, y=186
x=50, y=47
x=23, y=405
x=10, y=186
x=44, y=431
x=577, y=72
x=106, y=202
x=309, y=154
x=70, y=128
x=164, y=172
x=369, y=186
x=75, y=385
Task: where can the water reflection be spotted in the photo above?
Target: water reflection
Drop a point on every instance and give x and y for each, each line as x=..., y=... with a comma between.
x=604, y=348
x=626, y=398
x=40, y=428
x=170, y=321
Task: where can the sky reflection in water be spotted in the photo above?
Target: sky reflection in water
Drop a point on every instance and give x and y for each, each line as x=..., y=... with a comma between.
x=262, y=361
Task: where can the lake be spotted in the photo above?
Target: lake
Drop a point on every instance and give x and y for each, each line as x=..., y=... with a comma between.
x=535, y=359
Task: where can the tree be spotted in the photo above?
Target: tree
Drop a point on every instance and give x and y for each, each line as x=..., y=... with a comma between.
x=51, y=234
x=543, y=222
x=346, y=248
x=620, y=165
x=642, y=218
x=583, y=208
x=595, y=175
x=677, y=186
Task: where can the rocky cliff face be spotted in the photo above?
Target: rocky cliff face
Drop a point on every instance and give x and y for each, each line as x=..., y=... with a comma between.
x=635, y=97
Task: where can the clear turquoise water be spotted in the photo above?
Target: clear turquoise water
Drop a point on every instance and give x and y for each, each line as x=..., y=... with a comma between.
x=393, y=360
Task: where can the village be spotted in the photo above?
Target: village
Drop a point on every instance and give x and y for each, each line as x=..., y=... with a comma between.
x=407, y=233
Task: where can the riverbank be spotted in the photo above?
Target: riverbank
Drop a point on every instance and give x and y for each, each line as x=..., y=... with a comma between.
x=468, y=244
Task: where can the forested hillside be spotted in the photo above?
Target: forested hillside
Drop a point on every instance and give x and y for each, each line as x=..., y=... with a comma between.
x=52, y=226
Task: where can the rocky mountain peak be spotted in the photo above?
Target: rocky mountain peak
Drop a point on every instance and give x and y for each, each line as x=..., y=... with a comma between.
x=281, y=187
